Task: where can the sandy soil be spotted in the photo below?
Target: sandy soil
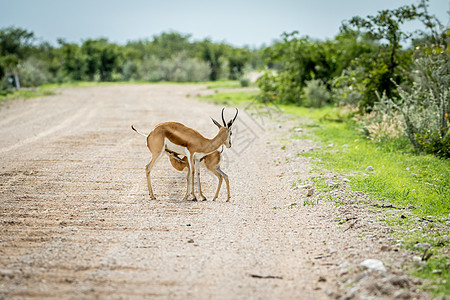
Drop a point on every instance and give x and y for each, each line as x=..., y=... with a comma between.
x=77, y=222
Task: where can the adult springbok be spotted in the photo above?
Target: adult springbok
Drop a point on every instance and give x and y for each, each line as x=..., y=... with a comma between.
x=180, y=139
x=211, y=162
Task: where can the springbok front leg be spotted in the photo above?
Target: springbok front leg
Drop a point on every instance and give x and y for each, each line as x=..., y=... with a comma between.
x=225, y=176
x=187, y=185
x=219, y=177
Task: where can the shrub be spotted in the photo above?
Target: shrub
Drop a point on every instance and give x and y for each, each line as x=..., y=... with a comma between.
x=268, y=85
x=245, y=82
x=425, y=106
x=179, y=68
x=432, y=142
x=383, y=122
x=191, y=70
x=130, y=71
x=347, y=88
x=317, y=93
x=33, y=72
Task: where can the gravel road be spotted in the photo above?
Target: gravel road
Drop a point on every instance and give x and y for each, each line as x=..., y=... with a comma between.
x=77, y=222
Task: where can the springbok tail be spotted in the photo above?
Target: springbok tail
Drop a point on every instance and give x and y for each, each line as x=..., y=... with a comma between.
x=143, y=134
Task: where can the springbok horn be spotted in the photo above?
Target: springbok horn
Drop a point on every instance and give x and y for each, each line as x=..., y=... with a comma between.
x=232, y=121
x=223, y=119
x=237, y=111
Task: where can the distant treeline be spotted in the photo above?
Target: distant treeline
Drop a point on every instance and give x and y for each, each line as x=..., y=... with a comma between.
x=168, y=57
x=399, y=90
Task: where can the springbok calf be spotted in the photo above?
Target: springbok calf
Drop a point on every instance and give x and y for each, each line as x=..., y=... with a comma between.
x=185, y=141
x=211, y=162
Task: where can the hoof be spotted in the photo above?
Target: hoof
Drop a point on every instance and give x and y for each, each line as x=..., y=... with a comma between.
x=193, y=199
x=203, y=199
x=152, y=197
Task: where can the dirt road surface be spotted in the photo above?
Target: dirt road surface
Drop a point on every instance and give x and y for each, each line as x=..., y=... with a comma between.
x=77, y=222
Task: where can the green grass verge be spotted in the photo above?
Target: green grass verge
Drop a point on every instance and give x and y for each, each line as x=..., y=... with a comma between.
x=418, y=184
x=220, y=84
x=232, y=98
x=399, y=177
x=26, y=94
x=49, y=89
x=46, y=90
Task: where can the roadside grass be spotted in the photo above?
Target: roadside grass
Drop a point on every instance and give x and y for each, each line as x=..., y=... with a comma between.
x=27, y=93
x=220, y=84
x=416, y=184
x=45, y=90
x=402, y=178
x=232, y=98
x=49, y=89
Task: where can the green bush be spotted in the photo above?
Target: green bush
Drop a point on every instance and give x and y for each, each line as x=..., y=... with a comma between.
x=425, y=106
x=33, y=72
x=384, y=123
x=179, y=68
x=348, y=89
x=268, y=86
x=432, y=142
x=130, y=71
x=317, y=93
x=245, y=82
x=190, y=69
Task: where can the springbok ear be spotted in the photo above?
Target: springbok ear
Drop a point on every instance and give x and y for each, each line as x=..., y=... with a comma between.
x=216, y=123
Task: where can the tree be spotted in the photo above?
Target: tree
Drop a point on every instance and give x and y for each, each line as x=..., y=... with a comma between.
x=436, y=36
x=383, y=74
x=15, y=45
x=109, y=57
x=91, y=52
x=212, y=53
x=74, y=64
x=236, y=62
x=167, y=45
x=101, y=58
x=300, y=60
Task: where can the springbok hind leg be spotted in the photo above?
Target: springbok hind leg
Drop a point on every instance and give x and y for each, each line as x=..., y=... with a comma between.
x=148, y=169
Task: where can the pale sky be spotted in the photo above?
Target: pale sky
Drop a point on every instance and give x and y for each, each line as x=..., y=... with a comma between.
x=237, y=22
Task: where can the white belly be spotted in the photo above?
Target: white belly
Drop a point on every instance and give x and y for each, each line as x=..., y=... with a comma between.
x=182, y=150
x=175, y=148
x=198, y=156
